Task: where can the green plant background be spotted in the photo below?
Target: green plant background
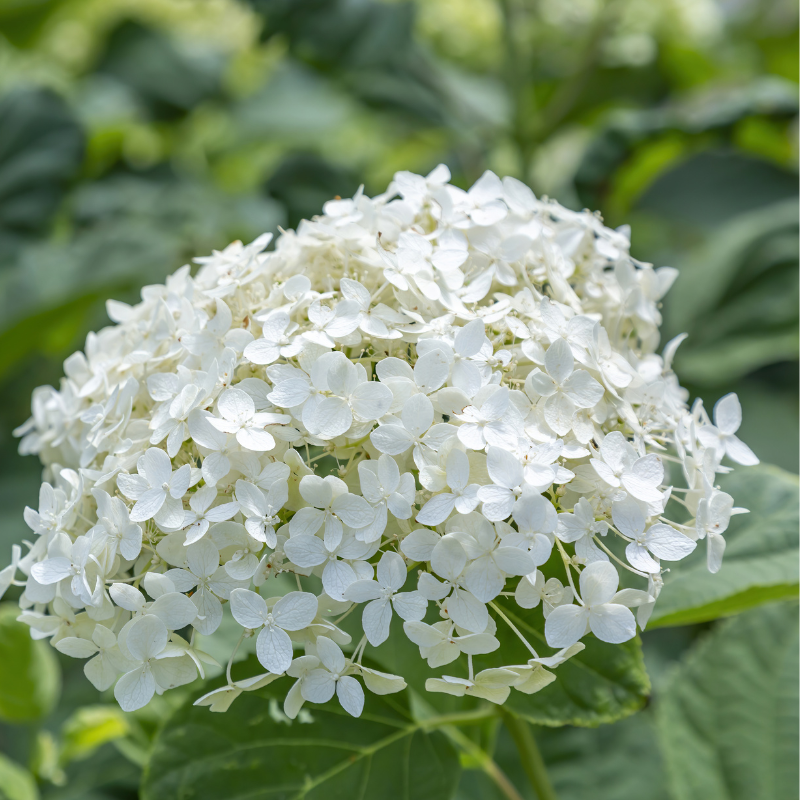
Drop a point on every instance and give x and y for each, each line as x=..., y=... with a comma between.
x=134, y=135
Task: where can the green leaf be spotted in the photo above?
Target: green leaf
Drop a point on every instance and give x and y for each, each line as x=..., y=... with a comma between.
x=41, y=149
x=29, y=675
x=601, y=684
x=709, y=275
x=727, y=359
x=16, y=783
x=579, y=760
x=761, y=558
x=713, y=187
x=22, y=20
x=691, y=120
x=248, y=752
x=737, y=298
x=167, y=80
x=728, y=721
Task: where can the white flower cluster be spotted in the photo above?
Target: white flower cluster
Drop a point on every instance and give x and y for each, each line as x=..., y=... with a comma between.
x=411, y=405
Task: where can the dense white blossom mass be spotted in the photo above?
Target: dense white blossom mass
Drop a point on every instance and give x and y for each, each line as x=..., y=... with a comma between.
x=417, y=404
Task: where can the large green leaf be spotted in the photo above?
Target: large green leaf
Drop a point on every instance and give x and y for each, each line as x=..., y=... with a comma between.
x=761, y=558
x=713, y=187
x=579, y=760
x=167, y=80
x=249, y=753
x=726, y=359
x=728, y=722
x=29, y=673
x=737, y=298
x=734, y=249
x=41, y=149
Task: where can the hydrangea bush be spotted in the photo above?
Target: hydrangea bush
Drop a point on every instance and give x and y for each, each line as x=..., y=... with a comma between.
x=412, y=406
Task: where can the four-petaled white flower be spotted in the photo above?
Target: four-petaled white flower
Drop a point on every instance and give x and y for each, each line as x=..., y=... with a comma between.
x=331, y=506
x=157, y=490
x=210, y=582
x=105, y=663
x=534, y=589
x=292, y=612
x=114, y=524
x=319, y=685
x=566, y=389
x=174, y=609
x=340, y=561
x=499, y=497
x=276, y=339
x=490, y=684
x=443, y=642
x=536, y=521
x=660, y=540
x=721, y=436
x=489, y=422
x=345, y=396
x=598, y=612
x=239, y=418
x=381, y=595
x=463, y=496
x=67, y=561
x=260, y=510
x=416, y=430
x=491, y=558
x=448, y=560
x=580, y=528
x=385, y=489
x=619, y=466
x=197, y=521
x=145, y=642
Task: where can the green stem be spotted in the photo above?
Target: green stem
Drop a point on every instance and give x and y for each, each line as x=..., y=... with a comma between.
x=485, y=761
x=532, y=761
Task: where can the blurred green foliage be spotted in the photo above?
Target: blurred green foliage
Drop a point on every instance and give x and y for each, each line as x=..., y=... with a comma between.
x=135, y=134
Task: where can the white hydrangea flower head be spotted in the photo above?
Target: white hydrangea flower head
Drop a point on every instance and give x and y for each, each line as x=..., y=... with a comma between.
x=433, y=404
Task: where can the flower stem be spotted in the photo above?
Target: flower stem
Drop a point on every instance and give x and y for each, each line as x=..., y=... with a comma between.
x=513, y=628
x=531, y=758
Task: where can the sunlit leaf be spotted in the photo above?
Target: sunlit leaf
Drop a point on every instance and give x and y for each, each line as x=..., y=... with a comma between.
x=16, y=783
x=29, y=674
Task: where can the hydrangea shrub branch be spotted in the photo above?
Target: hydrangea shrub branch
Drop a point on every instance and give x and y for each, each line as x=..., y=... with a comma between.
x=481, y=368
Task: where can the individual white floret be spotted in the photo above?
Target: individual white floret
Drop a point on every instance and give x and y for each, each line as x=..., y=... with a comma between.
x=145, y=642
x=382, y=595
x=157, y=490
x=319, y=685
x=721, y=435
x=597, y=612
x=463, y=496
x=292, y=612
